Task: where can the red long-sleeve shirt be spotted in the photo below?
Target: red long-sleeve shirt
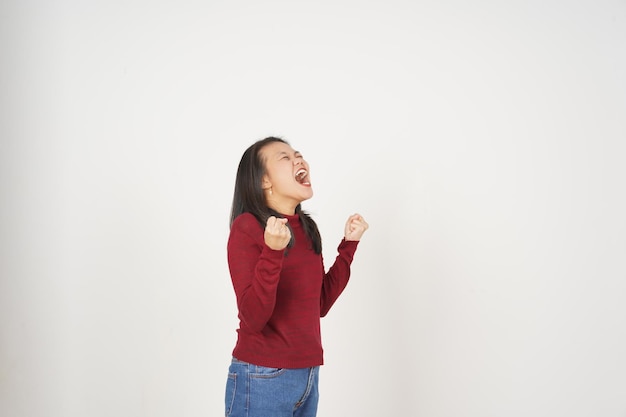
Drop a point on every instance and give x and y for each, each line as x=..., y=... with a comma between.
x=281, y=294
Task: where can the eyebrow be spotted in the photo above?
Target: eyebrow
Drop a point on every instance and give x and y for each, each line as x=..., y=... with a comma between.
x=296, y=153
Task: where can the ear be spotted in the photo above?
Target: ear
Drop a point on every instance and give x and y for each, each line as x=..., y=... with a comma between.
x=266, y=183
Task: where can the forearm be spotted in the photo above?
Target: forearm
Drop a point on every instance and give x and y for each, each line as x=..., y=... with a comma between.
x=256, y=292
x=338, y=275
x=255, y=272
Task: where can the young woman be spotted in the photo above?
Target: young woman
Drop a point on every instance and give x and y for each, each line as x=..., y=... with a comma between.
x=281, y=286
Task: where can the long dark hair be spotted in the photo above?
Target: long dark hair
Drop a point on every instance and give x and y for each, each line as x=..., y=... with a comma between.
x=250, y=198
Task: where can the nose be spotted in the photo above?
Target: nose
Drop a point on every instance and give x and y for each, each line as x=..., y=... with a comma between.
x=297, y=160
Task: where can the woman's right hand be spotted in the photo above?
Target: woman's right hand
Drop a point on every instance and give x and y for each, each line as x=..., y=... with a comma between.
x=277, y=234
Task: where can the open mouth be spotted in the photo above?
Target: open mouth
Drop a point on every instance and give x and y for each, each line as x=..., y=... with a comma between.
x=302, y=177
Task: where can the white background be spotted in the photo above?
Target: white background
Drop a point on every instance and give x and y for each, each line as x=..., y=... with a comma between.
x=483, y=141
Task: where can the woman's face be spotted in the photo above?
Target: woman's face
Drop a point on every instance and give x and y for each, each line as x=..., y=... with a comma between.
x=287, y=176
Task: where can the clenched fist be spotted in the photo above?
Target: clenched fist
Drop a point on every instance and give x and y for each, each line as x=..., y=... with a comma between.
x=355, y=227
x=277, y=235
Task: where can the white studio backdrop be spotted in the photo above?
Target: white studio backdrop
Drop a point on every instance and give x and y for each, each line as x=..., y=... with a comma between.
x=483, y=142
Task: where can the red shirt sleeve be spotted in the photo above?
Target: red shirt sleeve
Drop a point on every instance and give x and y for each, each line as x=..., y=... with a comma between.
x=336, y=279
x=255, y=271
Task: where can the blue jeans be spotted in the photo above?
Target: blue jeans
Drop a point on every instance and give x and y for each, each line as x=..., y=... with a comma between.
x=258, y=391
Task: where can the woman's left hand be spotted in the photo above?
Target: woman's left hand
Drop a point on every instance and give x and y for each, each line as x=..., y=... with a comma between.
x=355, y=227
